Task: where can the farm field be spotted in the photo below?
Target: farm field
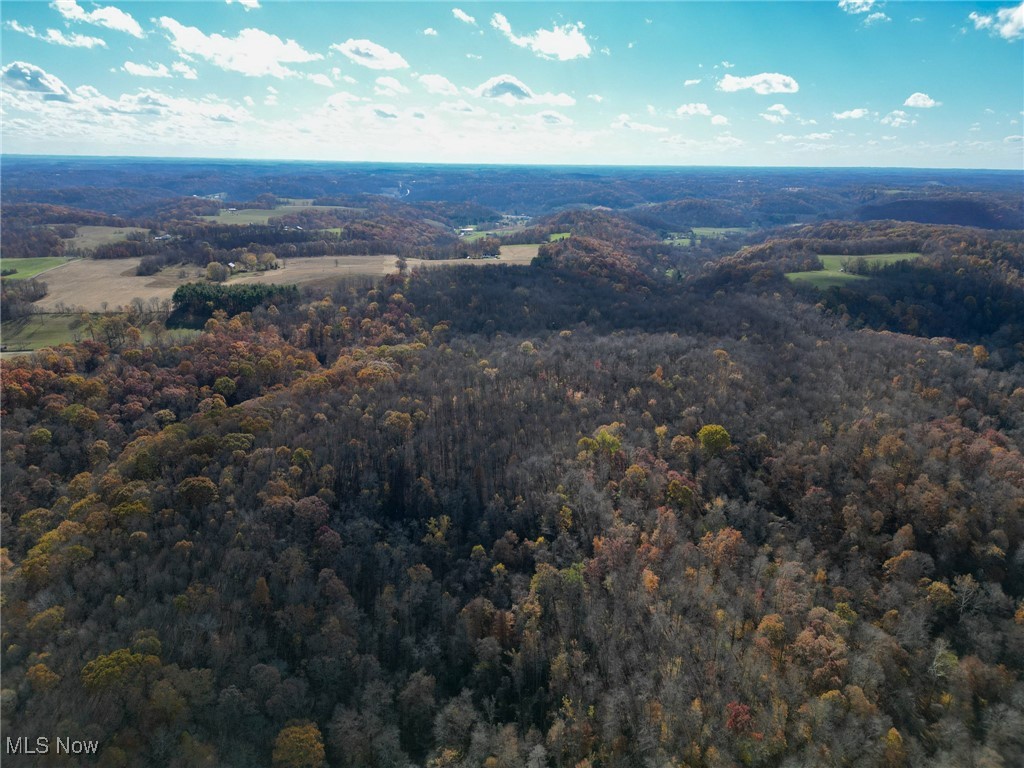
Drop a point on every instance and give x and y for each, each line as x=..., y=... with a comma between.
x=97, y=286
x=720, y=231
x=31, y=267
x=90, y=237
x=699, y=234
x=264, y=215
x=38, y=331
x=473, y=236
x=833, y=274
x=836, y=262
x=34, y=332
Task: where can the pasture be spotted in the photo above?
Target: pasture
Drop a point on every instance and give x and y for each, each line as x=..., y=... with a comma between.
x=104, y=285
x=264, y=215
x=717, y=232
x=837, y=262
x=27, y=334
x=89, y=237
x=31, y=267
x=835, y=274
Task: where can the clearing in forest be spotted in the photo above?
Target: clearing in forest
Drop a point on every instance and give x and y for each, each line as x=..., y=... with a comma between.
x=89, y=237
x=837, y=268
x=106, y=284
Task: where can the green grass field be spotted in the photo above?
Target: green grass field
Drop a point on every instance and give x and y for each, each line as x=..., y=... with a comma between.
x=835, y=263
x=833, y=274
x=559, y=236
x=474, y=236
x=89, y=237
x=30, y=267
x=34, y=332
x=264, y=215
x=823, y=278
x=719, y=231
x=37, y=331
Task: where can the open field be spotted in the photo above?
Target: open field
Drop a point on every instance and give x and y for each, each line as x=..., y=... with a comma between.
x=264, y=215
x=833, y=274
x=472, y=236
x=34, y=332
x=89, y=237
x=835, y=263
x=30, y=267
x=96, y=286
x=823, y=278
x=720, y=231
x=38, y=331
x=555, y=236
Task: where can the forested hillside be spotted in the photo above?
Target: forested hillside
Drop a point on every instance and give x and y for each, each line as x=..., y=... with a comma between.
x=622, y=507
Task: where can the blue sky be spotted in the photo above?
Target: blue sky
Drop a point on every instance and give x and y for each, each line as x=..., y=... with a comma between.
x=847, y=83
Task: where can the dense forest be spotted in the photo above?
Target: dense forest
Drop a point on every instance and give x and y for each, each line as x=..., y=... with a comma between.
x=636, y=504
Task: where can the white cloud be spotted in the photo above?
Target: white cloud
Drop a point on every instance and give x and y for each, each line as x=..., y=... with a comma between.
x=388, y=86
x=980, y=21
x=776, y=114
x=1007, y=23
x=320, y=79
x=28, y=78
x=56, y=37
x=727, y=65
x=249, y=5
x=897, y=119
x=623, y=122
x=143, y=70
x=856, y=6
x=430, y=32
x=438, y=84
x=921, y=101
x=253, y=52
x=370, y=55
x=688, y=83
x=595, y=97
x=462, y=16
x=851, y=114
x=550, y=117
x=473, y=56
x=341, y=100
x=153, y=102
x=764, y=83
x=686, y=110
x=107, y=16
x=184, y=70
x=719, y=120
x=248, y=100
x=876, y=18
x=509, y=90
x=818, y=136
x=1013, y=139
x=562, y=43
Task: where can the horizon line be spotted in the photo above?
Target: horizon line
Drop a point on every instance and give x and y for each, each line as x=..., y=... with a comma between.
x=7, y=155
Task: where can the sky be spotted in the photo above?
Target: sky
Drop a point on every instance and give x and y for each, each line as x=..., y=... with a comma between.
x=814, y=83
